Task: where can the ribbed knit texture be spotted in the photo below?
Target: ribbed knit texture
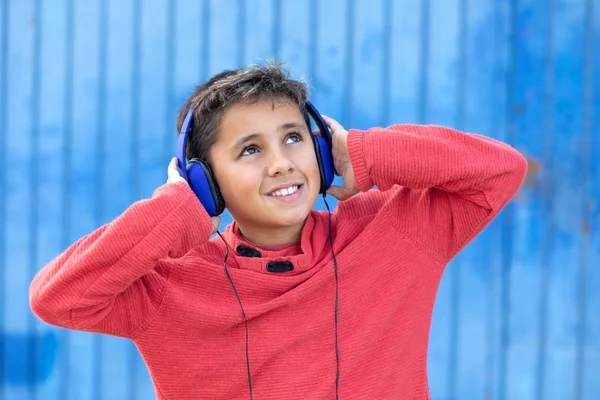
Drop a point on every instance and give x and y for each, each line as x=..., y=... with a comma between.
x=155, y=276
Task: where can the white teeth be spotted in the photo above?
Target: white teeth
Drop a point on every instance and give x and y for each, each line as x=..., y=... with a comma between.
x=285, y=191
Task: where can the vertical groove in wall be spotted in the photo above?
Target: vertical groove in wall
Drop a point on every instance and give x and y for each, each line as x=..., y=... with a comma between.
x=508, y=213
x=241, y=30
x=586, y=198
x=349, y=84
x=548, y=203
x=100, y=161
x=461, y=97
x=3, y=154
x=276, y=34
x=135, y=101
x=134, y=152
x=205, y=53
x=424, y=63
x=386, y=74
x=34, y=170
x=170, y=108
x=313, y=35
x=456, y=267
x=66, y=178
x=498, y=121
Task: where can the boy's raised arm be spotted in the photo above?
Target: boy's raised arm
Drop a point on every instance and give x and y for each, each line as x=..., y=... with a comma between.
x=111, y=281
x=451, y=184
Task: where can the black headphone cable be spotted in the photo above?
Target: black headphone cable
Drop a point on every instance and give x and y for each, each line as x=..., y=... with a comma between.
x=336, y=307
x=243, y=312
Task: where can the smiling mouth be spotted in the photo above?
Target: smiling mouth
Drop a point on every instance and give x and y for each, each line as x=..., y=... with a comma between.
x=285, y=191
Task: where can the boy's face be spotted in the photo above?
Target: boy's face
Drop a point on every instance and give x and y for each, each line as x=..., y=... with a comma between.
x=263, y=147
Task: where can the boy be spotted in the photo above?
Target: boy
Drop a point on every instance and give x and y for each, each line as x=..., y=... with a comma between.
x=155, y=276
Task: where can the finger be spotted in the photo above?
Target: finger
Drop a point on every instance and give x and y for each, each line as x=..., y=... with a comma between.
x=215, y=223
x=336, y=191
x=333, y=124
x=173, y=174
x=170, y=167
x=172, y=171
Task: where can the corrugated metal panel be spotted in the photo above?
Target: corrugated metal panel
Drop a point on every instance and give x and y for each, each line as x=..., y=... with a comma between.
x=88, y=93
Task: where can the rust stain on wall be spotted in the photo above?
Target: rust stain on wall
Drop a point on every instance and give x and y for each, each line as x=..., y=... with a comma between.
x=534, y=169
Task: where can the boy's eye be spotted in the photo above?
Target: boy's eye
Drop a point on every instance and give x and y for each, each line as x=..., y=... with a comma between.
x=252, y=149
x=293, y=138
x=248, y=151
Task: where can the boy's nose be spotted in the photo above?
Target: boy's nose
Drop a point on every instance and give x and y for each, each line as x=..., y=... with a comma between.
x=280, y=164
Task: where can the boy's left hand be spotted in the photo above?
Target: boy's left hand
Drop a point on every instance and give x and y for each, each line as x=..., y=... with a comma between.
x=341, y=161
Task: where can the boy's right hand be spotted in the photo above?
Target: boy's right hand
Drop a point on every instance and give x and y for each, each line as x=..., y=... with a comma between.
x=173, y=176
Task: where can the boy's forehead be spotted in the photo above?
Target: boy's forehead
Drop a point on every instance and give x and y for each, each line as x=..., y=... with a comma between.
x=260, y=117
x=263, y=105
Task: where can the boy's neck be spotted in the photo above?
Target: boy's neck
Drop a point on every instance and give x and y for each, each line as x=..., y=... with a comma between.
x=272, y=236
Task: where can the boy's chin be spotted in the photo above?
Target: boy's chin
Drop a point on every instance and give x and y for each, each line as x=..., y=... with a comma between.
x=291, y=218
x=275, y=218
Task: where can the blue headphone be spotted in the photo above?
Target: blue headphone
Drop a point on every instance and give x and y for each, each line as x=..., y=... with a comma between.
x=200, y=177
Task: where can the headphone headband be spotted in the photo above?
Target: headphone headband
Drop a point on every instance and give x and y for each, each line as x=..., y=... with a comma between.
x=186, y=129
x=323, y=128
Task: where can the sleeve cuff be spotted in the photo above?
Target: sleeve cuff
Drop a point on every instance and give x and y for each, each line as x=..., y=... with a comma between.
x=357, y=157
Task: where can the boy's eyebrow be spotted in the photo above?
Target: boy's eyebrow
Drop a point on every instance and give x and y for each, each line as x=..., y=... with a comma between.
x=240, y=143
x=292, y=125
x=248, y=138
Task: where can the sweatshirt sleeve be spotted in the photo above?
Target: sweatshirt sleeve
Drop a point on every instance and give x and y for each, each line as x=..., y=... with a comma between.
x=111, y=281
x=443, y=186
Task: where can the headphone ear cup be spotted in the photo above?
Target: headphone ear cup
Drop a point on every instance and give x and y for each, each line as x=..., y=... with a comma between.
x=205, y=187
x=325, y=162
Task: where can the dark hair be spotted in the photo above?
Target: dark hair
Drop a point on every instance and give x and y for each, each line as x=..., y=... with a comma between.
x=244, y=85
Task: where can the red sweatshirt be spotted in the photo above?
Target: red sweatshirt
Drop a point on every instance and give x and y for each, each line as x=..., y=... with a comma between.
x=154, y=275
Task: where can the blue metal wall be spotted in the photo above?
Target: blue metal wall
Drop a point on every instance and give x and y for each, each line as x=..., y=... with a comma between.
x=88, y=94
